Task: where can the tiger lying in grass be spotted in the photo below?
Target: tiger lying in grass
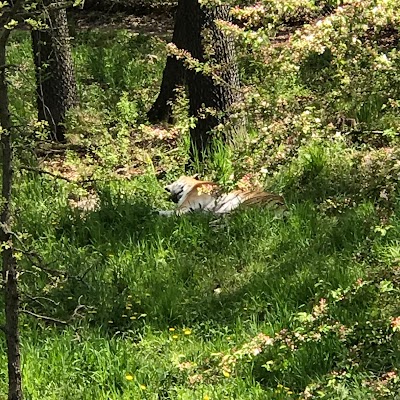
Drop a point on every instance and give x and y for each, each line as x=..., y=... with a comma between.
x=193, y=195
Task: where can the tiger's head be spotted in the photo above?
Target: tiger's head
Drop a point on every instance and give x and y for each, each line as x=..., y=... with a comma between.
x=179, y=189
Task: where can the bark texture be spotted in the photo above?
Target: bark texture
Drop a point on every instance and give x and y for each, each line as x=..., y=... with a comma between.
x=55, y=76
x=9, y=272
x=174, y=71
x=209, y=43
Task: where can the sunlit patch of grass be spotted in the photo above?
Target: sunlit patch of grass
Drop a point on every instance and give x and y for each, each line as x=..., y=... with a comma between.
x=117, y=73
x=21, y=76
x=114, y=64
x=254, y=307
x=151, y=321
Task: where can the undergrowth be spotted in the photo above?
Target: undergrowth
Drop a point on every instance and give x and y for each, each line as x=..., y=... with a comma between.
x=250, y=306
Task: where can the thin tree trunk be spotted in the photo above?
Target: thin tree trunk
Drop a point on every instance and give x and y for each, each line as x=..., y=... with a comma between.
x=174, y=71
x=55, y=76
x=210, y=43
x=9, y=272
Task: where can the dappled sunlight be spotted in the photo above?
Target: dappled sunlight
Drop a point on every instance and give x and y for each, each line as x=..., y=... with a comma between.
x=120, y=302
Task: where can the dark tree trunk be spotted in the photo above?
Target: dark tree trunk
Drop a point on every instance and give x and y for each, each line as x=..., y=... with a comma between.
x=206, y=92
x=174, y=71
x=196, y=32
x=9, y=272
x=55, y=77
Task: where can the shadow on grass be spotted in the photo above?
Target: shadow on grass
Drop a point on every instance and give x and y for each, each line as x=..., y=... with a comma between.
x=140, y=270
x=134, y=262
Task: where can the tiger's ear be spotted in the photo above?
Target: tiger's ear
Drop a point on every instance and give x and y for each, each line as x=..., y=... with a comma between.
x=195, y=176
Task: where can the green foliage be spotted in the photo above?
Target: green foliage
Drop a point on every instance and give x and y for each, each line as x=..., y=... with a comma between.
x=249, y=306
x=113, y=66
x=290, y=292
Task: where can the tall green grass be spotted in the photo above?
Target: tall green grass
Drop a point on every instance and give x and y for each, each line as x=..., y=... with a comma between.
x=137, y=275
x=180, y=308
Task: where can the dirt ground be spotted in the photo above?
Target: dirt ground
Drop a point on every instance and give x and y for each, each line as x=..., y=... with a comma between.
x=152, y=24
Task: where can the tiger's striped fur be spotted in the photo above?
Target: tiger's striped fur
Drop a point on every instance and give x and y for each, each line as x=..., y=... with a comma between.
x=194, y=195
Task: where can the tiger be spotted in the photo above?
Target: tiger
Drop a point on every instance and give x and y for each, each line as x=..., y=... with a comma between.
x=191, y=194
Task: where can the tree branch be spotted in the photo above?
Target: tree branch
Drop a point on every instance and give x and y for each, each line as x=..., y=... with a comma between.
x=56, y=176
x=44, y=317
x=36, y=13
x=37, y=298
x=38, y=262
x=8, y=66
x=6, y=32
x=56, y=320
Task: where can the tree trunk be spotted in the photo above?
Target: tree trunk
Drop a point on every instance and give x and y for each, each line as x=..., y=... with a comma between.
x=196, y=32
x=205, y=92
x=55, y=77
x=9, y=272
x=174, y=71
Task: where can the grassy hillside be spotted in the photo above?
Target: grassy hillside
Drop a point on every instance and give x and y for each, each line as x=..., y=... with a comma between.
x=253, y=306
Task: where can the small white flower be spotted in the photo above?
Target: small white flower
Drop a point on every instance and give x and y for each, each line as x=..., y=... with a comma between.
x=256, y=351
x=384, y=194
x=384, y=59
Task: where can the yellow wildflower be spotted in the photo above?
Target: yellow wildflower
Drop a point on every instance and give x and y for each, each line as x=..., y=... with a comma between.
x=143, y=387
x=187, y=331
x=129, y=377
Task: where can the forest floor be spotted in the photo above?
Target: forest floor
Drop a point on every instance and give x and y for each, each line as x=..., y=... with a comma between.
x=254, y=306
x=151, y=24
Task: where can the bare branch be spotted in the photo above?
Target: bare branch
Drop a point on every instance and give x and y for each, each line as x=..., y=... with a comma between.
x=74, y=314
x=44, y=317
x=38, y=298
x=56, y=176
x=63, y=178
x=37, y=260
